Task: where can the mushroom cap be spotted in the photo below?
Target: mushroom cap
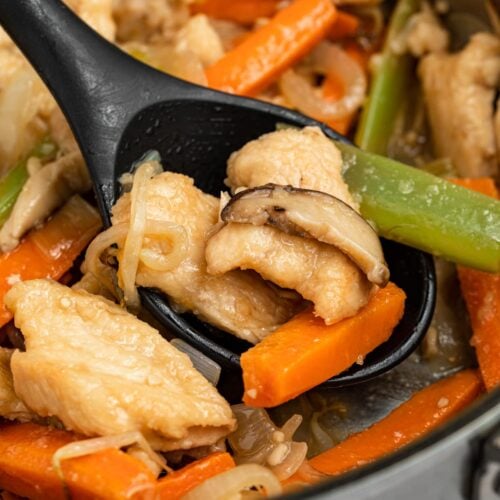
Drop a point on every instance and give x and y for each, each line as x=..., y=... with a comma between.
x=316, y=215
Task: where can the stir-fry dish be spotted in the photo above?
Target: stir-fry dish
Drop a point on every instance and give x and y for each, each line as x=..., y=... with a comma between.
x=97, y=400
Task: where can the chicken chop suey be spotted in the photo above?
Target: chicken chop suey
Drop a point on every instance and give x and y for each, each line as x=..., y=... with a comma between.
x=96, y=401
x=206, y=279
x=114, y=374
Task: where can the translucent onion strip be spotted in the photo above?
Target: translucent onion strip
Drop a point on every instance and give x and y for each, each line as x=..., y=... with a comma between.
x=231, y=483
x=95, y=445
x=327, y=59
x=166, y=234
x=115, y=235
x=135, y=237
x=208, y=368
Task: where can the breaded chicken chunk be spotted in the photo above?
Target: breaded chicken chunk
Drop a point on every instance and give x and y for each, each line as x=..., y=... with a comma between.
x=321, y=273
x=102, y=371
x=299, y=158
x=459, y=92
x=11, y=407
x=238, y=302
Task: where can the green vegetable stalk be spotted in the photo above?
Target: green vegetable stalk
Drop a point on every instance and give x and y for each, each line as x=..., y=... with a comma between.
x=12, y=183
x=424, y=211
x=389, y=85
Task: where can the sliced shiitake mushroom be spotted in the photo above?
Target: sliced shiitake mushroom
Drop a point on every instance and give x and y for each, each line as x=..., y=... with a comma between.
x=312, y=214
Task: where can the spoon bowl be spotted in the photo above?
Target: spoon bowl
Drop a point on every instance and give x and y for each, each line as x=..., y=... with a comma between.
x=119, y=108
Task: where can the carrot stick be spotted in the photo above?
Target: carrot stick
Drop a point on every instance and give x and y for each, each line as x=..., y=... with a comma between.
x=266, y=53
x=305, y=352
x=50, y=251
x=483, y=185
x=241, y=11
x=176, y=484
x=425, y=411
x=346, y=25
x=481, y=292
x=26, y=452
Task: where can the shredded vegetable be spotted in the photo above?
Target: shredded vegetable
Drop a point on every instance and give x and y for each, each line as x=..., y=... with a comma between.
x=424, y=211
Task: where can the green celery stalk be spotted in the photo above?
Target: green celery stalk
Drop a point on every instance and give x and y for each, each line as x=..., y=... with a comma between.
x=388, y=87
x=424, y=211
x=12, y=183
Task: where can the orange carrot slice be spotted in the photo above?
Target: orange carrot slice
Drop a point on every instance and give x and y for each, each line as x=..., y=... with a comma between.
x=425, y=411
x=176, y=484
x=305, y=352
x=26, y=452
x=266, y=53
x=49, y=252
x=346, y=25
x=240, y=11
x=481, y=292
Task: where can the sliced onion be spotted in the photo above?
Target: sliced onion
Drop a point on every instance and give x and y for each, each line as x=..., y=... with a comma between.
x=181, y=63
x=252, y=440
x=327, y=59
x=320, y=435
x=292, y=463
x=115, y=235
x=207, y=367
x=291, y=425
x=163, y=260
x=231, y=483
x=95, y=445
x=135, y=237
x=258, y=440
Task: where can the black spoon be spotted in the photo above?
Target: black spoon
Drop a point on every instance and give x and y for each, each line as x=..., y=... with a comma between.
x=119, y=108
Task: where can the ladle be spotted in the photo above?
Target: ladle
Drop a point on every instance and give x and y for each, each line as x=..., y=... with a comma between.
x=119, y=108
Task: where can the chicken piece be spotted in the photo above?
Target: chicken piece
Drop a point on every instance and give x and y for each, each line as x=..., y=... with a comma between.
x=199, y=37
x=425, y=34
x=237, y=302
x=459, y=91
x=102, y=371
x=25, y=103
x=300, y=158
x=319, y=272
x=10, y=58
x=47, y=189
x=97, y=13
x=149, y=20
x=11, y=407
